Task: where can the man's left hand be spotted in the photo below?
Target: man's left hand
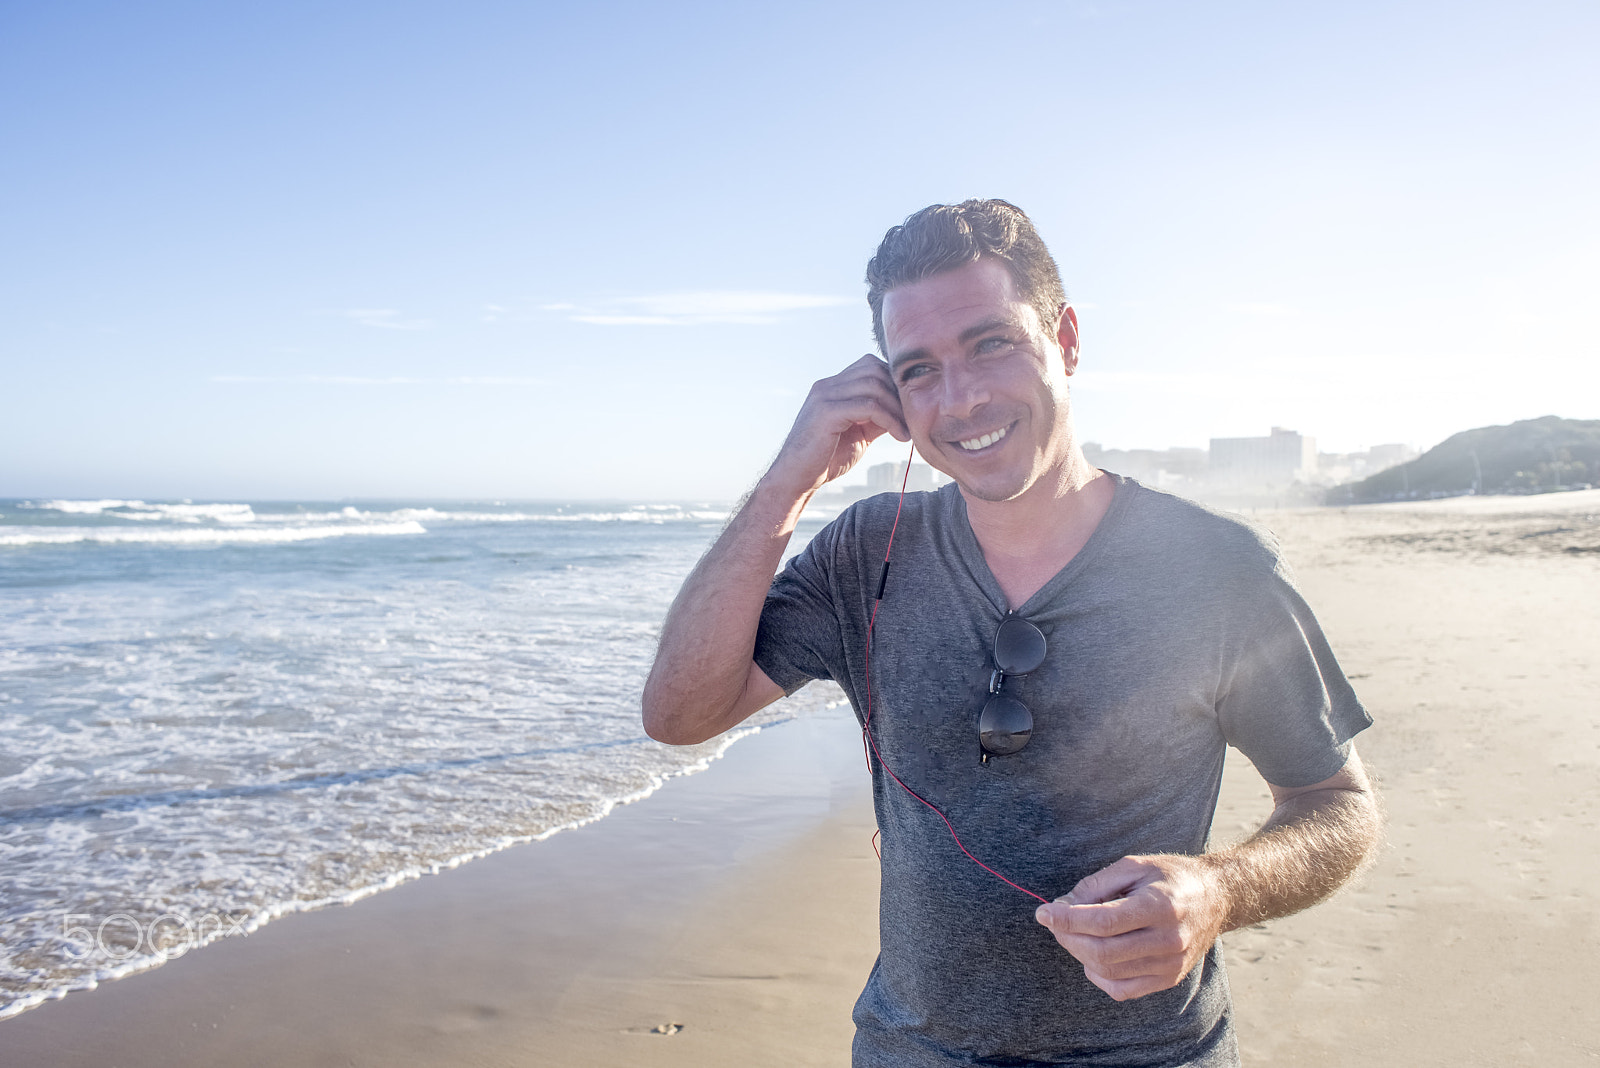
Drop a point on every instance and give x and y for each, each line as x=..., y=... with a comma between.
x=1141, y=924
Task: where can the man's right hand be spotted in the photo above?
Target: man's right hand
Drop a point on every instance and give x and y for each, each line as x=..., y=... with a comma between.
x=842, y=415
x=705, y=679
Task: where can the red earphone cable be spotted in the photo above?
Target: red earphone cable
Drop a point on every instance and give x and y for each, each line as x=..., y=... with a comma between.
x=869, y=744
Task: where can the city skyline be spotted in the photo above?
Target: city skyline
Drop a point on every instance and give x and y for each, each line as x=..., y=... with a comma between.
x=1179, y=467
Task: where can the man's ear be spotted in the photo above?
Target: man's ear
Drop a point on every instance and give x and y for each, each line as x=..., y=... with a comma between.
x=1067, y=336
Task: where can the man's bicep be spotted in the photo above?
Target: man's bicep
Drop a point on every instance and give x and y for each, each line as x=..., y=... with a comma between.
x=799, y=637
x=1283, y=699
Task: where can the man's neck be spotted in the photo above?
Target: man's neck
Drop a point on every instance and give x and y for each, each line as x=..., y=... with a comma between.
x=1028, y=539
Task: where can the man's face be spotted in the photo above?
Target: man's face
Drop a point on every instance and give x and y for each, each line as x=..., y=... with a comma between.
x=982, y=381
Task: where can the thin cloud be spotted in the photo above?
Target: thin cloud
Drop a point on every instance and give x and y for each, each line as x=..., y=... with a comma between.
x=385, y=319
x=1182, y=383
x=1263, y=309
x=648, y=320
x=358, y=380
x=1268, y=381
x=696, y=309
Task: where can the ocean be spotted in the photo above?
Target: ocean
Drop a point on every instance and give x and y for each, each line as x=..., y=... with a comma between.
x=216, y=713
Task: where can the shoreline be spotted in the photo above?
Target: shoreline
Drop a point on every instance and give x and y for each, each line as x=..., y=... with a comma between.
x=564, y=951
x=250, y=924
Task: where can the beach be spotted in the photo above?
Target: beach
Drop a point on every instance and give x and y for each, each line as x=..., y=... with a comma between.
x=729, y=918
x=737, y=903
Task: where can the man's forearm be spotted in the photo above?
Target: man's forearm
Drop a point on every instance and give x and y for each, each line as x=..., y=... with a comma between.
x=1312, y=845
x=703, y=663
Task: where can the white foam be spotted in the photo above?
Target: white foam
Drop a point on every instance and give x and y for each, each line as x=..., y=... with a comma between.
x=702, y=515
x=195, y=513
x=248, y=925
x=80, y=507
x=184, y=512
x=654, y=514
x=197, y=535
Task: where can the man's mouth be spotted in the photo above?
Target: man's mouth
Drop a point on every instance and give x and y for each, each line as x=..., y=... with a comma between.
x=983, y=442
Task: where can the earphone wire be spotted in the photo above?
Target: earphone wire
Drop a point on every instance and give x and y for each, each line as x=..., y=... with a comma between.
x=869, y=744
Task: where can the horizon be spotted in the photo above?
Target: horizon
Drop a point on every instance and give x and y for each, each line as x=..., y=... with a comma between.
x=376, y=253
x=853, y=479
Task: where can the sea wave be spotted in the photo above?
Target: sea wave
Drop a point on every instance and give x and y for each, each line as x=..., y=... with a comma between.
x=237, y=513
x=230, y=735
x=629, y=516
x=638, y=514
x=183, y=512
x=194, y=513
x=198, y=535
x=79, y=507
x=596, y=809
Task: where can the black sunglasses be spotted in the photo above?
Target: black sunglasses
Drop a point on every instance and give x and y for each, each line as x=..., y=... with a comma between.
x=1005, y=725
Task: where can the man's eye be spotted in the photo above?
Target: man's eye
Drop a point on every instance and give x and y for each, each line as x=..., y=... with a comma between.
x=916, y=370
x=993, y=344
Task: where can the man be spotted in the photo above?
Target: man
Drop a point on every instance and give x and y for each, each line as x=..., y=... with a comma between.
x=1163, y=632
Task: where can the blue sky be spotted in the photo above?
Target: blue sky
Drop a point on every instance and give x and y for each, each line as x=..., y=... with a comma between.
x=520, y=250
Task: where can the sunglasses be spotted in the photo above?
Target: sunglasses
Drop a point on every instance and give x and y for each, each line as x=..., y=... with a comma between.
x=1005, y=725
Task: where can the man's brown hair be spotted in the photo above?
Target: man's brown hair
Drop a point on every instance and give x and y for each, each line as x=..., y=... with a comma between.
x=942, y=237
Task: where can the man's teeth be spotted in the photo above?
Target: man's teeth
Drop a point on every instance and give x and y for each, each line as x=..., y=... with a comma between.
x=985, y=441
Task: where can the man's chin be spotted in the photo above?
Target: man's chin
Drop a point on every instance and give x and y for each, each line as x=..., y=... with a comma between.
x=993, y=490
x=991, y=486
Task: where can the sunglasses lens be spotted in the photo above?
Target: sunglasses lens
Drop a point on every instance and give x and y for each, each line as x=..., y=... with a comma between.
x=1018, y=646
x=1005, y=725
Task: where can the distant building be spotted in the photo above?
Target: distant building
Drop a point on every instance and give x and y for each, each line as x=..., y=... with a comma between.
x=1282, y=457
x=1179, y=469
x=885, y=478
x=1383, y=457
x=1336, y=469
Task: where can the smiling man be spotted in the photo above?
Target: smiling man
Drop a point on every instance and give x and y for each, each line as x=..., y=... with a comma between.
x=1059, y=661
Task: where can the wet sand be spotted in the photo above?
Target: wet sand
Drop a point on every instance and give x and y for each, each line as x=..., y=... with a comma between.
x=740, y=904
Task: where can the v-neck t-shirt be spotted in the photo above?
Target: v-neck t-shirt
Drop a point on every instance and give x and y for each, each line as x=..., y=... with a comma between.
x=1173, y=633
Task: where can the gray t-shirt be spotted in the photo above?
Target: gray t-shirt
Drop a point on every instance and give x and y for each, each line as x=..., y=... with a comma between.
x=1173, y=633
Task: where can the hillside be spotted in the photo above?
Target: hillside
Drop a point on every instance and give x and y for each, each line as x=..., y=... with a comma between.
x=1528, y=456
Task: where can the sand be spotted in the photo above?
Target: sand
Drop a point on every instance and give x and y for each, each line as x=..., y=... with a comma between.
x=738, y=906
x=1472, y=629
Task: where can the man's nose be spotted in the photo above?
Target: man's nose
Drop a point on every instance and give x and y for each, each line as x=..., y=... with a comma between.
x=965, y=390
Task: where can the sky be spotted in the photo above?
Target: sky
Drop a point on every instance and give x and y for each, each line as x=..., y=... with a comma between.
x=527, y=250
